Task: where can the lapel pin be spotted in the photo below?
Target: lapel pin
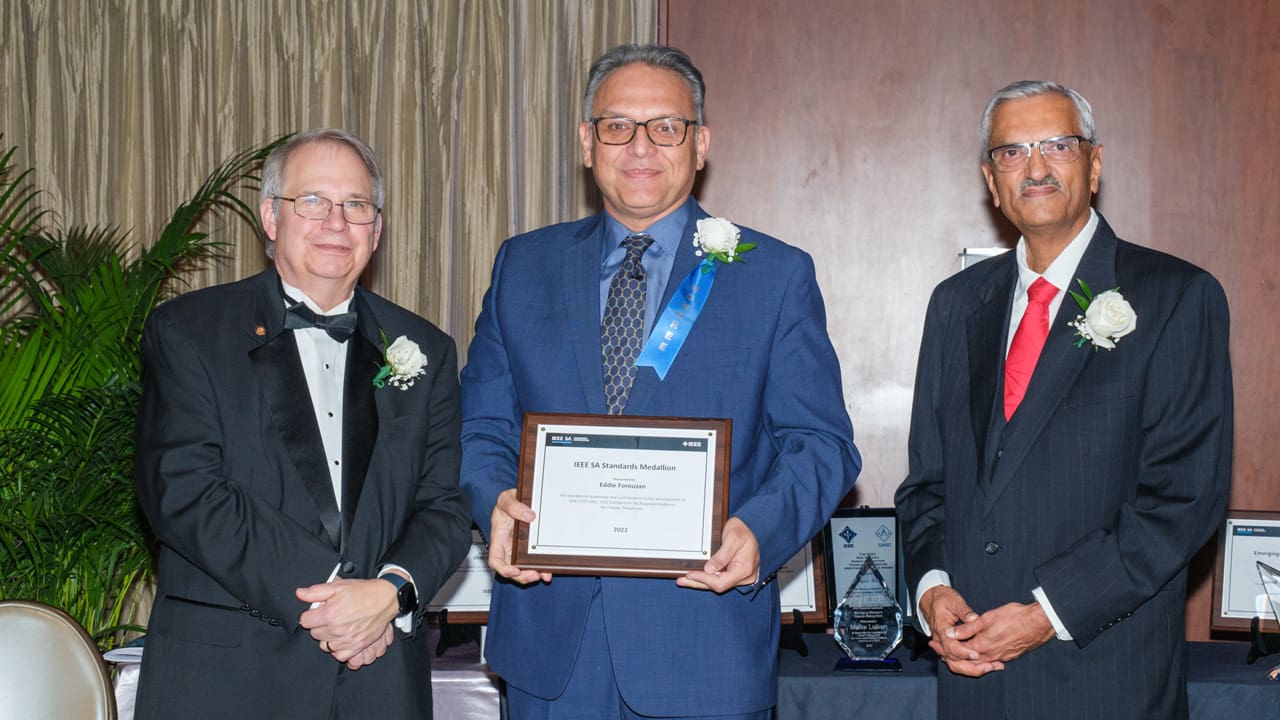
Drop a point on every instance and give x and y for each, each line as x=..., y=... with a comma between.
x=259, y=331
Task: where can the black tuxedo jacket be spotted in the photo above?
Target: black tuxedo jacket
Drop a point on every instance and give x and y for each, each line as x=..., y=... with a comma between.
x=230, y=472
x=1111, y=474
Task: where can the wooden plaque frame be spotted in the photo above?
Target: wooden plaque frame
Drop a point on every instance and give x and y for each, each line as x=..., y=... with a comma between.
x=1234, y=624
x=620, y=564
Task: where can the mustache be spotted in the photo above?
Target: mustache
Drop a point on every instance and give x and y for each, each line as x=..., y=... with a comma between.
x=1046, y=181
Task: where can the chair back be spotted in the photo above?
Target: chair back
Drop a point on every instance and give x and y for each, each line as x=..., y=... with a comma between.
x=50, y=668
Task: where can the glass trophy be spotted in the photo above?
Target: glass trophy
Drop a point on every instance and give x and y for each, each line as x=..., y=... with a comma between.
x=868, y=623
x=1271, y=584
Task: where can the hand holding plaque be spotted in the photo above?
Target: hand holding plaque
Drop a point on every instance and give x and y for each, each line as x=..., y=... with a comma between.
x=621, y=494
x=868, y=622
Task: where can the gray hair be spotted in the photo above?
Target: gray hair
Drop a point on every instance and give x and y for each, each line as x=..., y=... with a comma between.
x=1030, y=88
x=658, y=56
x=273, y=168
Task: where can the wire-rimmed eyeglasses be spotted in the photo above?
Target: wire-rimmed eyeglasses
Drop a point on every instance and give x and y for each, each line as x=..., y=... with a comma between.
x=1061, y=149
x=316, y=207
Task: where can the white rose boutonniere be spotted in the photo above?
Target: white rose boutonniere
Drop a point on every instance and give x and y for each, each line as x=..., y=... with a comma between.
x=404, y=363
x=719, y=239
x=1107, y=317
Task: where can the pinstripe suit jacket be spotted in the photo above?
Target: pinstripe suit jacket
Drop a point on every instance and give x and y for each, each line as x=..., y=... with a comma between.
x=1113, y=472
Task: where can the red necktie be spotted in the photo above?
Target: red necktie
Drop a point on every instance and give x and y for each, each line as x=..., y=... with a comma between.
x=1028, y=341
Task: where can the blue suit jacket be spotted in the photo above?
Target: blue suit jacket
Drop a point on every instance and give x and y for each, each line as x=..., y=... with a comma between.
x=758, y=354
x=1109, y=477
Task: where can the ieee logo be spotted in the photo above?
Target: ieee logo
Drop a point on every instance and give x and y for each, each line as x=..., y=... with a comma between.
x=884, y=534
x=848, y=535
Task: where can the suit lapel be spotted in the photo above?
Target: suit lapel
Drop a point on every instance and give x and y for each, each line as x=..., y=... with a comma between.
x=987, y=331
x=359, y=409
x=580, y=279
x=647, y=382
x=284, y=387
x=1060, y=363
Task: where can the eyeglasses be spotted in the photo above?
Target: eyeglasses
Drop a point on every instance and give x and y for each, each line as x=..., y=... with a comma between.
x=665, y=132
x=1061, y=149
x=314, y=207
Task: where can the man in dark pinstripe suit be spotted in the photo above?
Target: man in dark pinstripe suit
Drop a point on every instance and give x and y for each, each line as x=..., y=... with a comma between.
x=1065, y=463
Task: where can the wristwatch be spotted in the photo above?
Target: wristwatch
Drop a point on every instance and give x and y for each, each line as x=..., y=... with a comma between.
x=406, y=595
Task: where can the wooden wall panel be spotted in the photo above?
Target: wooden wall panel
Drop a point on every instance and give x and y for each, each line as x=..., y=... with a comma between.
x=850, y=128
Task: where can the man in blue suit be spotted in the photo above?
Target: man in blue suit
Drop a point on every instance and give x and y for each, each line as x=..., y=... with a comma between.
x=758, y=353
x=1063, y=472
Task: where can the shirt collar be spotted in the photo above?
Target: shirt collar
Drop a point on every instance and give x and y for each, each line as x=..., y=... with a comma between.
x=297, y=294
x=1061, y=272
x=666, y=232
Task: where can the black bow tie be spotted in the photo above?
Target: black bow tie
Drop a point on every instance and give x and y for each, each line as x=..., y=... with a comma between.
x=340, y=327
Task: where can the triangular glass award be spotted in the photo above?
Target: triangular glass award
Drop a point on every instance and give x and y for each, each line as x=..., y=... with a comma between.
x=868, y=622
x=1271, y=584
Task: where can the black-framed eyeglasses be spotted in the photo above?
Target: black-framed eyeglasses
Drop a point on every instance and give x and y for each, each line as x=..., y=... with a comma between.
x=316, y=207
x=665, y=131
x=1061, y=149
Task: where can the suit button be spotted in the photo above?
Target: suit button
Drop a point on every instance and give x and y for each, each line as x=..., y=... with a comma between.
x=999, y=454
x=348, y=568
x=991, y=548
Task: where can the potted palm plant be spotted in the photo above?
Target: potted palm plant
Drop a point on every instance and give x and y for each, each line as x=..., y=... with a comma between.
x=73, y=306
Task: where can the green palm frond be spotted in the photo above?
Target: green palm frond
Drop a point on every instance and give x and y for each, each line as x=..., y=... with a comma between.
x=179, y=241
x=58, y=263
x=18, y=216
x=74, y=306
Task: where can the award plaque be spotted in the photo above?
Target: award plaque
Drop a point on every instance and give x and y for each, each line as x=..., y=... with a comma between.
x=1239, y=593
x=851, y=535
x=466, y=593
x=621, y=494
x=801, y=585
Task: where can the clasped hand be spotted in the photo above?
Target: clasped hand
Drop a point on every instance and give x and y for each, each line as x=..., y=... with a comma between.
x=351, y=619
x=974, y=645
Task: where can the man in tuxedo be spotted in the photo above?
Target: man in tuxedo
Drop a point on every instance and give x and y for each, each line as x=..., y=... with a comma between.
x=1065, y=464
x=547, y=340
x=300, y=473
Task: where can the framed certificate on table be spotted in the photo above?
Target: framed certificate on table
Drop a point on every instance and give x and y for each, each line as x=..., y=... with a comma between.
x=466, y=593
x=802, y=585
x=621, y=494
x=1247, y=538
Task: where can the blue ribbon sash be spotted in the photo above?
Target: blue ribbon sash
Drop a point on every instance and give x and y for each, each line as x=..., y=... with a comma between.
x=677, y=319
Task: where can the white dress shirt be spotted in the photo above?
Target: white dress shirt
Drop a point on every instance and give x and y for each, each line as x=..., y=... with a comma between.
x=324, y=362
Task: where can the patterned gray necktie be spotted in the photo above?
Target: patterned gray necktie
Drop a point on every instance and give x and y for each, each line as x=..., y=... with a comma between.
x=622, y=329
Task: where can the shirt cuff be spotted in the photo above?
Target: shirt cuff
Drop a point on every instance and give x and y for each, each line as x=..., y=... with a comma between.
x=931, y=580
x=1058, y=627
x=403, y=623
